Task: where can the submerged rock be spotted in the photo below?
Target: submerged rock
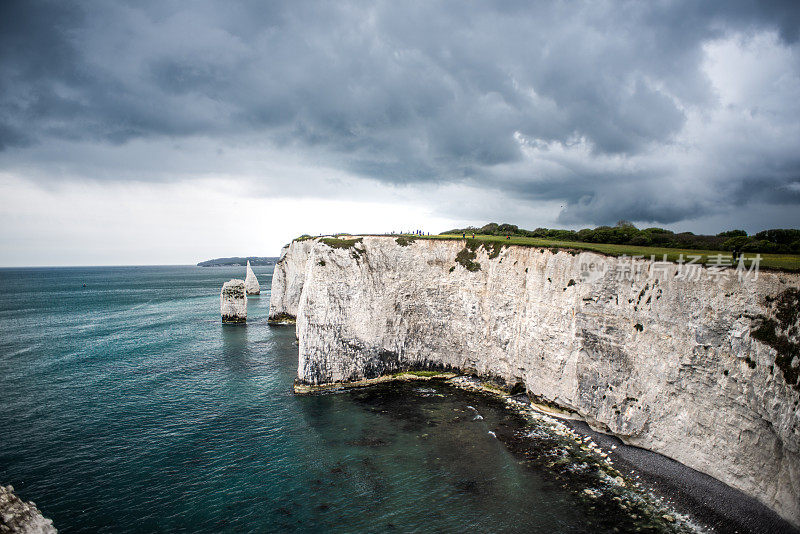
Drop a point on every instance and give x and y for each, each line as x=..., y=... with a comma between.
x=233, y=301
x=251, y=282
x=19, y=516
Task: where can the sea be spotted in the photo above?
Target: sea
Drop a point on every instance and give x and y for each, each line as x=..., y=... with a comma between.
x=126, y=406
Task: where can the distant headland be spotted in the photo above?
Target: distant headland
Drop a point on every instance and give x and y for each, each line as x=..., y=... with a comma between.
x=254, y=260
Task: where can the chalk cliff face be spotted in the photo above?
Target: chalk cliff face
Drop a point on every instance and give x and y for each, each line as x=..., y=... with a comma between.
x=233, y=302
x=21, y=517
x=682, y=366
x=289, y=276
x=251, y=285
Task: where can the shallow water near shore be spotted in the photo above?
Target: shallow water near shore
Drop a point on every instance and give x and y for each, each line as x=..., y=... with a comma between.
x=128, y=407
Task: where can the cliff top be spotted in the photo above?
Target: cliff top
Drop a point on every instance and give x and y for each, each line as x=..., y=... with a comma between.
x=779, y=262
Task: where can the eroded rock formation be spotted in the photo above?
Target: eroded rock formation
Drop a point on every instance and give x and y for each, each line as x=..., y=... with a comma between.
x=233, y=302
x=20, y=517
x=251, y=282
x=289, y=276
x=677, y=364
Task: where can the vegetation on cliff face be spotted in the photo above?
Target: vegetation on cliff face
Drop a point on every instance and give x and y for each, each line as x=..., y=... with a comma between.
x=347, y=244
x=424, y=374
x=467, y=256
x=776, y=241
x=404, y=241
x=306, y=237
x=493, y=248
x=334, y=242
x=282, y=318
x=781, y=333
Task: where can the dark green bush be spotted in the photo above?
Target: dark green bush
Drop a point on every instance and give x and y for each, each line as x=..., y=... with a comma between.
x=467, y=257
x=734, y=243
x=733, y=233
x=334, y=242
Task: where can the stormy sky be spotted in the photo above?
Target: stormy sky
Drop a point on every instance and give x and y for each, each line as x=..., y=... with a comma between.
x=171, y=132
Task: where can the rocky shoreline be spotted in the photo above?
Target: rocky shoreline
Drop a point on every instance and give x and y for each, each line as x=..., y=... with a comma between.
x=20, y=517
x=705, y=499
x=635, y=488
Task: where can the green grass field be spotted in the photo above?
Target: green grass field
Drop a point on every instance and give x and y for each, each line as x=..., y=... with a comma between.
x=783, y=262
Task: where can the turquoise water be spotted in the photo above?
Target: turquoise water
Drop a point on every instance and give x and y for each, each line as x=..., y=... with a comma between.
x=127, y=407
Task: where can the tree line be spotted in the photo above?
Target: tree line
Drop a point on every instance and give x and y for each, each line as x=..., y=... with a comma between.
x=775, y=241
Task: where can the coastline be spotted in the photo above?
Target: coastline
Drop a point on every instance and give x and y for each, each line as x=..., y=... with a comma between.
x=716, y=396
x=708, y=500
x=693, y=499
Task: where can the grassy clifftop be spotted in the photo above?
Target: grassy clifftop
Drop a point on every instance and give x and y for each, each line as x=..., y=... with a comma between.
x=493, y=243
x=783, y=262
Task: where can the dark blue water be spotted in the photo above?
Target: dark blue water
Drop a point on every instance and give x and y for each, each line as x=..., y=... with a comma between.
x=127, y=407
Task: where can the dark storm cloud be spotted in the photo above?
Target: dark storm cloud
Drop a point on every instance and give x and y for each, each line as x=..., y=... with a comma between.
x=404, y=92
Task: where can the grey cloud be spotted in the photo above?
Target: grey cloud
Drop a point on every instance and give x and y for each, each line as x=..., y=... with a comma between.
x=621, y=203
x=401, y=93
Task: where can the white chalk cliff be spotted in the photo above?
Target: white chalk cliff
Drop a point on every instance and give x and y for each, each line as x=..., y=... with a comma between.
x=663, y=361
x=233, y=302
x=251, y=282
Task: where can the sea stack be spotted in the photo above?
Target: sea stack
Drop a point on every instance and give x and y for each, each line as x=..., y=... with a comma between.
x=233, y=302
x=17, y=515
x=251, y=282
